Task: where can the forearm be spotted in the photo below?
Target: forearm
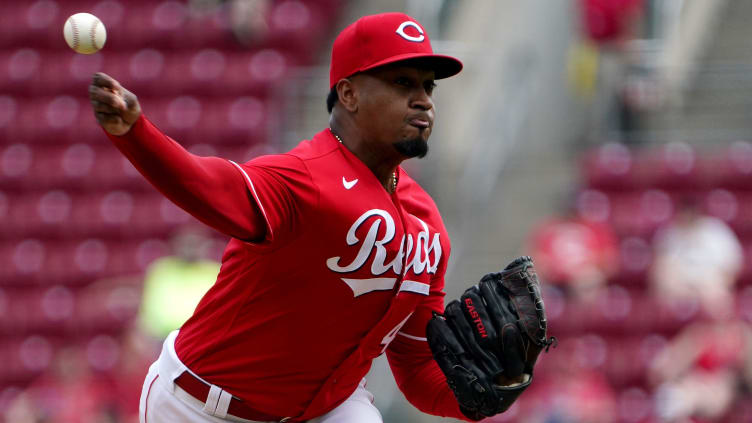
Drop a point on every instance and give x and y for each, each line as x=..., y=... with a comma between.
x=423, y=383
x=209, y=188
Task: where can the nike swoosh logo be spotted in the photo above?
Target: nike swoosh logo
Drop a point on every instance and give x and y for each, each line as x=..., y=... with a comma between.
x=349, y=184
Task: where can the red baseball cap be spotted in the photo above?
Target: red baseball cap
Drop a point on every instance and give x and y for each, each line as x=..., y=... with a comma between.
x=378, y=40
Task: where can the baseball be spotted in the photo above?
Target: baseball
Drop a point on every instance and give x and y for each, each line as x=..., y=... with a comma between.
x=84, y=33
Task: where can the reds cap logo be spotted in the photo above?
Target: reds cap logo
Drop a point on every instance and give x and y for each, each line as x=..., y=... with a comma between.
x=401, y=32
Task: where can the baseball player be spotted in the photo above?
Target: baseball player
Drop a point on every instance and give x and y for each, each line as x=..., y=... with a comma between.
x=336, y=256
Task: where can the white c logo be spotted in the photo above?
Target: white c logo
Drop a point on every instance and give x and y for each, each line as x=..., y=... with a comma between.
x=401, y=32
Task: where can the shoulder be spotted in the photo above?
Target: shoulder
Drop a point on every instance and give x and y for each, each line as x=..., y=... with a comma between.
x=417, y=200
x=410, y=189
x=297, y=158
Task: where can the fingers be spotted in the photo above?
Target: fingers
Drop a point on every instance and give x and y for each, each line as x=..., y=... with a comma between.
x=99, y=106
x=513, y=358
x=438, y=330
x=466, y=334
x=476, y=312
x=101, y=79
x=100, y=95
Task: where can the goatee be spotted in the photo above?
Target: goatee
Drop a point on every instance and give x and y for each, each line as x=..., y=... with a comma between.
x=414, y=147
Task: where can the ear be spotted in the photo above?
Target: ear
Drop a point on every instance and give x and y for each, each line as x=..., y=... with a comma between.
x=348, y=95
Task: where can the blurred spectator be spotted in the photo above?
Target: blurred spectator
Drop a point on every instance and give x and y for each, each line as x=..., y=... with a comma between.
x=705, y=373
x=248, y=19
x=608, y=21
x=578, y=254
x=697, y=258
x=174, y=284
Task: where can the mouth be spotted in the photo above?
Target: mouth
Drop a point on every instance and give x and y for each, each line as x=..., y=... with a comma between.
x=420, y=122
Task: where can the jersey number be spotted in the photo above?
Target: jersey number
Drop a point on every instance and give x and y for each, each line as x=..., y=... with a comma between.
x=392, y=334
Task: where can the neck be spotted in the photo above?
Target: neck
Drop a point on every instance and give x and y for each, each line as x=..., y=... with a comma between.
x=383, y=166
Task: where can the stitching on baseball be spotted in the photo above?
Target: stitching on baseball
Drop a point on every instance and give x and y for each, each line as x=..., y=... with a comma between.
x=93, y=34
x=74, y=27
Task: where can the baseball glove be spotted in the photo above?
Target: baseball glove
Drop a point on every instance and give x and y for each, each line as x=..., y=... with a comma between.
x=487, y=342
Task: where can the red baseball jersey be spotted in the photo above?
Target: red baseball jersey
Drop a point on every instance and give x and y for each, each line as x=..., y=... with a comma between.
x=346, y=271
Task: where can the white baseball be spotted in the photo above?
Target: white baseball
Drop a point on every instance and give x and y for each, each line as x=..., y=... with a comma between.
x=84, y=33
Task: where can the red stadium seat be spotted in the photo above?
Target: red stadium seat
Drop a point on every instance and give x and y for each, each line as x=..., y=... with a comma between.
x=736, y=166
x=609, y=167
x=635, y=258
x=4, y=207
x=76, y=166
x=5, y=314
x=43, y=214
x=745, y=278
x=24, y=167
x=110, y=214
x=103, y=351
x=672, y=167
x=59, y=120
x=167, y=25
x=8, y=114
x=30, y=23
x=20, y=70
x=640, y=213
x=189, y=120
x=143, y=71
x=26, y=357
x=28, y=258
x=61, y=112
x=635, y=405
x=722, y=204
x=741, y=221
x=207, y=66
x=41, y=310
x=296, y=27
x=744, y=303
x=594, y=205
x=112, y=170
x=39, y=72
x=15, y=165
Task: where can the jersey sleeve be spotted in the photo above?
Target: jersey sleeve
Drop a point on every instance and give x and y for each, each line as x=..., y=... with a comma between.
x=282, y=189
x=209, y=188
x=415, y=371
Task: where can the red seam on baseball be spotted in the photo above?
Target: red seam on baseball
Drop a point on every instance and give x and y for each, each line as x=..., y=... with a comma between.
x=93, y=33
x=74, y=27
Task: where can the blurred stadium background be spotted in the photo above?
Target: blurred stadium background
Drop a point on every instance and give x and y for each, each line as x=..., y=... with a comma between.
x=609, y=112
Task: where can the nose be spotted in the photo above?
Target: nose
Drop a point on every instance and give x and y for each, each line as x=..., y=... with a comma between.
x=421, y=100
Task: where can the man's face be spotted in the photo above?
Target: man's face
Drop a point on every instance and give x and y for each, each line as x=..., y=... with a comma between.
x=395, y=107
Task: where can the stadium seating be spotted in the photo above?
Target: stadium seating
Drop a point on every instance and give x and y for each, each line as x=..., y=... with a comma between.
x=636, y=191
x=73, y=211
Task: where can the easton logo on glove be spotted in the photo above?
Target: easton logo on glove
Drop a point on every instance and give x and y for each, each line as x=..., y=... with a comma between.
x=476, y=318
x=487, y=343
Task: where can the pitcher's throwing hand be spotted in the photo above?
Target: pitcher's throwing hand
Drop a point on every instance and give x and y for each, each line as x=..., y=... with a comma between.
x=115, y=108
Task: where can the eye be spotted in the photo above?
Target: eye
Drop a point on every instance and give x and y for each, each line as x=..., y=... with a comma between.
x=429, y=86
x=405, y=82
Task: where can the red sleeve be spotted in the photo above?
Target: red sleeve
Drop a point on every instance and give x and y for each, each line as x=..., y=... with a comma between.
x=415, y=371
x=283, y=191
x=209, y=188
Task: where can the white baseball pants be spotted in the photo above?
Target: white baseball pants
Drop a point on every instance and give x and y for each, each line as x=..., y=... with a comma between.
x=162, y=401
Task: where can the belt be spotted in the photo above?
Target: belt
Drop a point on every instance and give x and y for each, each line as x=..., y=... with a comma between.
x=200, y=390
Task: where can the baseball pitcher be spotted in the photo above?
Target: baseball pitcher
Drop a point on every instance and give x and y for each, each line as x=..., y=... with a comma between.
x=337, y=256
